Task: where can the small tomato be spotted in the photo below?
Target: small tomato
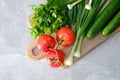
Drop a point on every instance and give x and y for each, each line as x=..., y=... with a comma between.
x=54, y=60
x=45, y=42
x=67, y=35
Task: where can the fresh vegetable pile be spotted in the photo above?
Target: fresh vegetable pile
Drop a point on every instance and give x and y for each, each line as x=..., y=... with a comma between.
x=86, y=17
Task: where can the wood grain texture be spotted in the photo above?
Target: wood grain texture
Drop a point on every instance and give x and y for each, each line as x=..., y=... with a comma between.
x=87, y=45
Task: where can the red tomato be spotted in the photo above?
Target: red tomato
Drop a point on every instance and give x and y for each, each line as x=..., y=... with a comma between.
x=44, y=42
x=53, y=59
x=65, y=34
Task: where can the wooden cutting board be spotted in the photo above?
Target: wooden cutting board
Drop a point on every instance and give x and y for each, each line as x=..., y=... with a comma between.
x=87, y=45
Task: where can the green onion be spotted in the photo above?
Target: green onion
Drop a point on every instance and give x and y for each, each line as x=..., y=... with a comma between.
x=82, y=18
x=70, y=6
x=81, y=30
x=88, y=6
x=77, y=53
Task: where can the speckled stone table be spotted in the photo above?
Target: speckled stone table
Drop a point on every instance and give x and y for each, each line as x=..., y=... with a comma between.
x=103, y=63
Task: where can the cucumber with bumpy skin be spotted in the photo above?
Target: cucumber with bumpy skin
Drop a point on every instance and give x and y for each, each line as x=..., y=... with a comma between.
x=100, y=22
x=112, y=25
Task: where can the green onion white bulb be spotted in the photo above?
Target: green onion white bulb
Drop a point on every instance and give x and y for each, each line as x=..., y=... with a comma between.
x=69, y=60
x=77, y=54
x=70, y=6
x=88, y=6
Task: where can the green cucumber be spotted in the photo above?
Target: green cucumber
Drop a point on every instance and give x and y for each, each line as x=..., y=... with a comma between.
x=112, y=25
x=100, y=22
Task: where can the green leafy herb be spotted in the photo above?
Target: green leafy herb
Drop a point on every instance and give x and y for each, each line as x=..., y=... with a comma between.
x=47, y=20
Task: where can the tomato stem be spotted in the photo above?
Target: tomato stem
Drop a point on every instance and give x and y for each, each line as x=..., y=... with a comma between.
x=59, y=43
x=59, y=57
x=48, y=47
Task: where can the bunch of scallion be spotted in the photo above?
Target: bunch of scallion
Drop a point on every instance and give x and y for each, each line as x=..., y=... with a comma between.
x=84, y=13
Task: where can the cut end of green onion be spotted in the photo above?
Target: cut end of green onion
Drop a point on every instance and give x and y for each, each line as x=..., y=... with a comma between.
x=70, y=6
x=88, y=6
x=77, y=54
x=69, y=61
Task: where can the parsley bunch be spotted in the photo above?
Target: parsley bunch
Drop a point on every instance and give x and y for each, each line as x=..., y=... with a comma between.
x=47, y=20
